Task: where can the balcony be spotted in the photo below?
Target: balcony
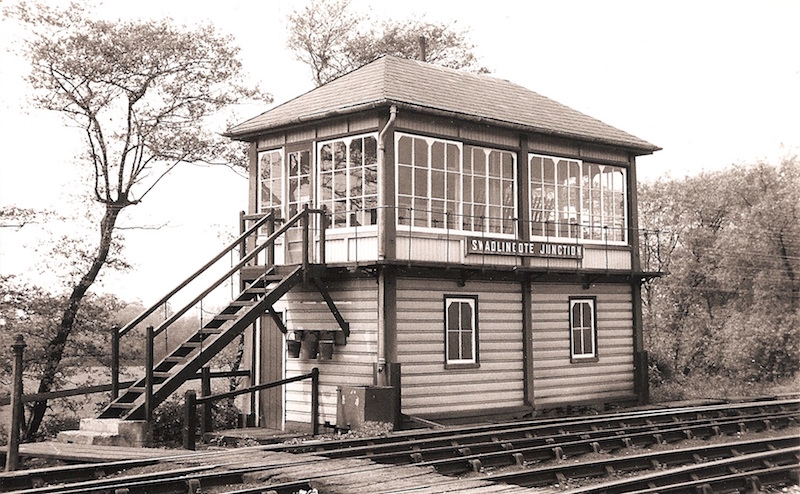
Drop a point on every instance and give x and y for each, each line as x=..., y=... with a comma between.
x=462, y=242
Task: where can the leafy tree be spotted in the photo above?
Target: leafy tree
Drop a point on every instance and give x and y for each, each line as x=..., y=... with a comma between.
x=141, y=93
x=34, y=312
x=332, y=40
x=728, y=302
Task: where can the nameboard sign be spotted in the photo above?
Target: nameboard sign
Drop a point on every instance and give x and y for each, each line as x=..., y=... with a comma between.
x=503, y=247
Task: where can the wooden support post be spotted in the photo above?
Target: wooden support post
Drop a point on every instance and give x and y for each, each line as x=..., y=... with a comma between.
x=323, y=226
x=114, y=363
x=304, y=222
x=189, y=419
x=242, y=229
x=205, y=390
x=12, y=453
x=315, y=401
x=270, y=261
x=148, y=379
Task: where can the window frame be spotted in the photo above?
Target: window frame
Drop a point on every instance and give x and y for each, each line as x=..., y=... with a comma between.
x=351, y=217
x=415, y=172
x=579, y=196
x=585, y=356
x=471, y=363
x=260, y=184
x=294, y=183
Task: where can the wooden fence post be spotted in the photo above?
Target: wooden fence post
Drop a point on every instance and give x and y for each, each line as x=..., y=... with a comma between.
x=315, y=401
x=189, y=419
x=205, y=390
x=148, y=378
x=114, y=363
x=12, y=453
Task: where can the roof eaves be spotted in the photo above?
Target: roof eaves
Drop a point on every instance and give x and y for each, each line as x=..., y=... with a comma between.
x=320, y=115
x=644, y=146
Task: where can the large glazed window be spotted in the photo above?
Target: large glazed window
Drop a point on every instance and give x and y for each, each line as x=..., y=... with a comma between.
x=348, y=180
x=583, y=329
x=446, y=185
x=299, y=178
x=270, y=180
x=574, y=199
x=461, y=330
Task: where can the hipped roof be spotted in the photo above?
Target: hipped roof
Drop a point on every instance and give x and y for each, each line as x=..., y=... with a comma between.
x=428, y=88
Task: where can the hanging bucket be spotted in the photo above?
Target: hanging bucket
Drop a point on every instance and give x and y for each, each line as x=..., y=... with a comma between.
x=293, y=348
x=326, y=349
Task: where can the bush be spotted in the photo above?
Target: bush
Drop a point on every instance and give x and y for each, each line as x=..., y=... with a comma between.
x=168, y=420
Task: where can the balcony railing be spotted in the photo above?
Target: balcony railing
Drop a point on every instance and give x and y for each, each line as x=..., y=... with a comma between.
x=436, y=236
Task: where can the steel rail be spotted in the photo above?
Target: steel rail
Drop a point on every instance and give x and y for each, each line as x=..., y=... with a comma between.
x=112, y=482
x=168, y=481
x=27, y=479
x=751, y=468
x=413, y=449
x=468, y=461
x=558, y=474
x=639, y=435
x=404, y=440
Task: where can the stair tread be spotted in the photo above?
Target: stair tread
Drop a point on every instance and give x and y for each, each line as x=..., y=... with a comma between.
x=125, y=405
x=227, y=317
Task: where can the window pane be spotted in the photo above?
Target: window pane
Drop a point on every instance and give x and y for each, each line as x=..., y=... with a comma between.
x=370, y=151
x=404, y=150
x=437, y=156
x=466, y=345
x=356, y=154
x=588, y=341
x=452, y=157
x=421, y=182
x=437, y=184
x=420, y=153
x=339, y=155
x=404, y=182
x=452, y=346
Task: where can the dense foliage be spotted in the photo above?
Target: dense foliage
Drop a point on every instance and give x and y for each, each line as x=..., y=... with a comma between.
x=728, y=304
x=332, y=40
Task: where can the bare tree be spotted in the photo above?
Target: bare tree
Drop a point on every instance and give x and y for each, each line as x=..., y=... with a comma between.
x=141, y=92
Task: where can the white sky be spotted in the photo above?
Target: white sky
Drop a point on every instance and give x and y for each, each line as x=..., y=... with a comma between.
x=713, y=83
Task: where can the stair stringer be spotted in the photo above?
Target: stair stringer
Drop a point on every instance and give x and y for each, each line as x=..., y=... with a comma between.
x=196, y=361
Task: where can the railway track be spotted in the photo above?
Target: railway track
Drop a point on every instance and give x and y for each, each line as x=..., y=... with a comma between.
x=508, y=455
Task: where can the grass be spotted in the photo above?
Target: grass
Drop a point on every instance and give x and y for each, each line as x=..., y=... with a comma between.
x=717, y=387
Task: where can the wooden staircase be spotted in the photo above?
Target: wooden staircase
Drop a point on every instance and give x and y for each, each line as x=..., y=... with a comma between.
x=186, y=359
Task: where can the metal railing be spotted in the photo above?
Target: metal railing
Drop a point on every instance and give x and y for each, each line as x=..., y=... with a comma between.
x=415, y=228
x=192, y=402
x=250, y=245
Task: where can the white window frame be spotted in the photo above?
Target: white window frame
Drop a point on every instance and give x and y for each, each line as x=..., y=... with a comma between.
x=404, y=221
x=351, y=217
x=470, y=302
x=592, y=226
x=260, y=204
x=580, y=330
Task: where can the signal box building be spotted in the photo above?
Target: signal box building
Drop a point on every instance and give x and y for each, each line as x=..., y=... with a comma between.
x=475, y=251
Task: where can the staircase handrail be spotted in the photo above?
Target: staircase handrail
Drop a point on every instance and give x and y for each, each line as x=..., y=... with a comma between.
x=250, y=255
x=141, y=317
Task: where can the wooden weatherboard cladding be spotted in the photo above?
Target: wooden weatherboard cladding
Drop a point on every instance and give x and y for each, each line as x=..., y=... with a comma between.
x=560, y=381
x=430, y=388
